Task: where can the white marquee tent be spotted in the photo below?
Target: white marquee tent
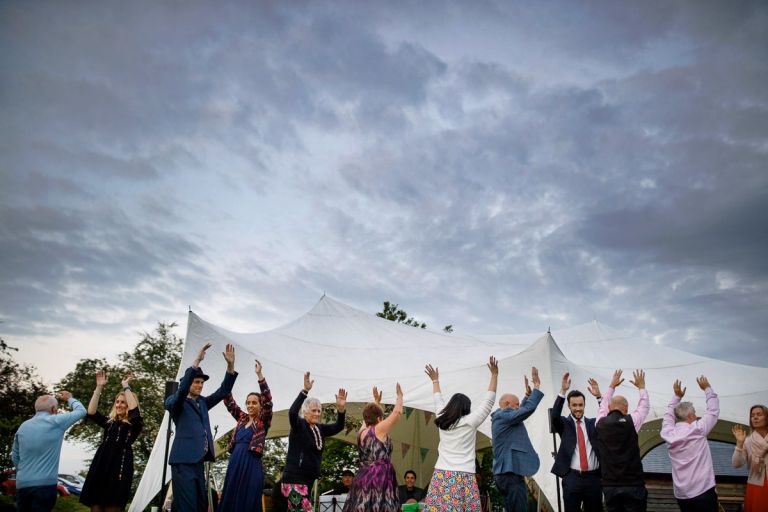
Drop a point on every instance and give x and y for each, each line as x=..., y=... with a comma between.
x=345, y=347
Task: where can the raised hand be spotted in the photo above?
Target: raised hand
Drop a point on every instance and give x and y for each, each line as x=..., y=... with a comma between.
x=399, y=391
x=527, y=386
x=493, y=365
x=678, y=388
x=739, y=433
x=126, y=382
x=565, y=384
x=703, y=382
x=308, y=383
x=535, y=378
x=377, y=395
x=257, y=367
x=616, y=380
x=639, y=379
x=594, y=388
x=201, y=355
x=64, y=395
x=229, y=357
x=433, y=373
x=341, y=400
x=101, y=378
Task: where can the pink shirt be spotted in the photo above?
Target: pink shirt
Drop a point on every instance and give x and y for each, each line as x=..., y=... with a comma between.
x=692, y=472
x=638, y=415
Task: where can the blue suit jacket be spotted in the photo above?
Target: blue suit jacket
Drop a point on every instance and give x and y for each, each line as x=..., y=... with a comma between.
x=193, y=429
x=512, y=448
x=566, y=427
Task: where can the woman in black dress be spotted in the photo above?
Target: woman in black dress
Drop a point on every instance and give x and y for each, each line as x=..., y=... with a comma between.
x=107, y=487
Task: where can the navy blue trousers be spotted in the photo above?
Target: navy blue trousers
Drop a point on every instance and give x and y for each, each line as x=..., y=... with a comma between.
x=189, y=488
x=39, y=498
x=582, y=488
x=515, y=492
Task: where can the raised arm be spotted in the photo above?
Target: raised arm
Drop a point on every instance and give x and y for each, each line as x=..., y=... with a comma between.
x=66, y=420
x=669, y=420
x=175, y=402
x=616, y=381
x=101, y=380
x=385, y=425
x=266, y=397
x=130, y=398
x=643, y=404
x=476, y=417
x=555, y=414
x=709, y=420
x=739, y=453
x=229, y=379
x=331, y=429
x=437, y=395
x=293, y=412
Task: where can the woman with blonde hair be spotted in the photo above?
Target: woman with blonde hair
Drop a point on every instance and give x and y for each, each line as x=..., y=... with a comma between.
x=752, y=450
x=107, y=487
x=375, y=485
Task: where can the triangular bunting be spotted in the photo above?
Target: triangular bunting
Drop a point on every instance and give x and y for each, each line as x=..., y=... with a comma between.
x=427, y=416
x=404, y=447
x=424, y=452
x=408, y=411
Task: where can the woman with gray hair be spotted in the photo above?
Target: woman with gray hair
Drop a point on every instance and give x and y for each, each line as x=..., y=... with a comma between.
x=306, y=443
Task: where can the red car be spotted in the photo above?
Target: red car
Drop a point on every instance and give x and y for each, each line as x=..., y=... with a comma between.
x=8, y=484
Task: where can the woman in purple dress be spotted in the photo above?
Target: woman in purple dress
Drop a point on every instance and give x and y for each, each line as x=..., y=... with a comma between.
x=244, y=483
x=375, y=485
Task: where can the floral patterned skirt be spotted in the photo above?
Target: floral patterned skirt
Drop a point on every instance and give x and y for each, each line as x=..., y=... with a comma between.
x=452, y=491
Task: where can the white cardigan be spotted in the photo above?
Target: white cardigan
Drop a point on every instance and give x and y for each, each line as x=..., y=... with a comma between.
x=456, y=451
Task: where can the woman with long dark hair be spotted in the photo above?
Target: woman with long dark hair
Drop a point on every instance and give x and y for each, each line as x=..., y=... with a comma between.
x=108, y=484
x=752, y=450
x=244, y=483
x=453, y=487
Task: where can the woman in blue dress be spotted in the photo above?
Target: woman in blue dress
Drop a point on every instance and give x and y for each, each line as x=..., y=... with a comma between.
x=244, y=483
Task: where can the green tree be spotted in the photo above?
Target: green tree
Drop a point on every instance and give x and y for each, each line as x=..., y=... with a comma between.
x=19, y=388
x=394, y=313
x=153, y=361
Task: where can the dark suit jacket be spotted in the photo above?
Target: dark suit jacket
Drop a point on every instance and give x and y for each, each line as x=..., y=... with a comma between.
x=566, y=427
x=191, y=419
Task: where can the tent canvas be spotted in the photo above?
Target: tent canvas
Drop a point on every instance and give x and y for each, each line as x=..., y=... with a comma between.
x=346, y=347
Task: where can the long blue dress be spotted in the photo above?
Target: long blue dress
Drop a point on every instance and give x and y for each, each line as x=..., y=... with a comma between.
x=245, y=476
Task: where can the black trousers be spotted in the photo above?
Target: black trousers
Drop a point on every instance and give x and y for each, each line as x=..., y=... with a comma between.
x=40, y=498
x=704, y=502
x=583, y=488
x=626, y=499
x=189, y=488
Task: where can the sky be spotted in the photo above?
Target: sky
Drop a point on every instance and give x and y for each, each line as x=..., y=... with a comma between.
x=499, y=166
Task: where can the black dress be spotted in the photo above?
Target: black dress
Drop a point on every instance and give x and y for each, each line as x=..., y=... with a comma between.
x=111, y=473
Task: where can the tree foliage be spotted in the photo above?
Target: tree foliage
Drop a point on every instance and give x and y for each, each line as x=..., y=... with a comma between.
x=19, y=388
x=394, y=313
x=153, y=361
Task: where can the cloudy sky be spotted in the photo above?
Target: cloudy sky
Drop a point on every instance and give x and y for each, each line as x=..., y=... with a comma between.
x=501, y=166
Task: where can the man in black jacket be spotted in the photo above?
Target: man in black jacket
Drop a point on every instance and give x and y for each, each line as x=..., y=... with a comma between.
x=617, y=443
x=576, y=461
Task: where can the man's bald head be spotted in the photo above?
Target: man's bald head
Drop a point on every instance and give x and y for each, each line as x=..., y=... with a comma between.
x=509, y=401
x=46, y=403
x=619, y=403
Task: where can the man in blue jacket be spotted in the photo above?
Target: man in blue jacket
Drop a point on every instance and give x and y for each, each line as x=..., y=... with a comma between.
x=576, y=461
x=513, y=453
x=193, y=443
x=37, y=449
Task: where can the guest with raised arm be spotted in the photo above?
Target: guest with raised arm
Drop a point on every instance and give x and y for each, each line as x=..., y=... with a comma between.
x=752, y=450
x=305, y=444
x=453, y=486
x=244, y=483
x=618, y=449
x=375, y=485
x=193, y=443
x=693, y=477
x=513, y=455
x=576, y=461
x=107, y=487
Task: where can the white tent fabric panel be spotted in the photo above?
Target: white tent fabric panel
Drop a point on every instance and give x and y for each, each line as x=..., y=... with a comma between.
x=345, y=347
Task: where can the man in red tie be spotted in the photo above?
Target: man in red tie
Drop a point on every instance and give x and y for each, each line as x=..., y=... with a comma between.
x=576, y=460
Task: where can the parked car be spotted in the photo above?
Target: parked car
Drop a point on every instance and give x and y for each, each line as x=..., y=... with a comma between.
x=8, y=484
x=71, y=484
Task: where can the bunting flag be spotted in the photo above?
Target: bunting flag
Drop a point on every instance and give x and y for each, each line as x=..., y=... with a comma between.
x=404, y=447
x=424, y=452
x=427, y=416
x=408, y=411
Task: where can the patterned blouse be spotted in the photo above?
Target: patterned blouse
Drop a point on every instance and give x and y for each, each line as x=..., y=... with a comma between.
x=260, y=425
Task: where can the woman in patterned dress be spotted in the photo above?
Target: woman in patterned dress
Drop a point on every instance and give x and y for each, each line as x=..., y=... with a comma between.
x=108, y=484
x=375, y=485
x=453, y=487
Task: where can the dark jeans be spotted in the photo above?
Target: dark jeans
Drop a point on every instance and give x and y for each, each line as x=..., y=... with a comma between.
x=189, y=488
x=40, y=498
x=626, y=499
x=581, y=488
x=704, y=502
x=512, y=486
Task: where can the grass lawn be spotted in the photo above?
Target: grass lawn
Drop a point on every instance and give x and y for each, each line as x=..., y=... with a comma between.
x=68, y=504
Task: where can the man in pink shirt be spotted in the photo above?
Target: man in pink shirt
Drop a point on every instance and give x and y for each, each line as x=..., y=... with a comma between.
x=692, y=474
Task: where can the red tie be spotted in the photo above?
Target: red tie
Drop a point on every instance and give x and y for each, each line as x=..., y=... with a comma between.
x=582, y=447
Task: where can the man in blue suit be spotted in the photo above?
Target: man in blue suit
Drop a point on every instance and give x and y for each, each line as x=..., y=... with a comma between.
x=576, y=461
x=513, y=453
x=193, y=443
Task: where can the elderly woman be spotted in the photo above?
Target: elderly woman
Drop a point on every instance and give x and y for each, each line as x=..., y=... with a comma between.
x=306, y=443
x=107, y=487
x=244, y=482
x=453, y=486
x=375, y=485
x=752, y=449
